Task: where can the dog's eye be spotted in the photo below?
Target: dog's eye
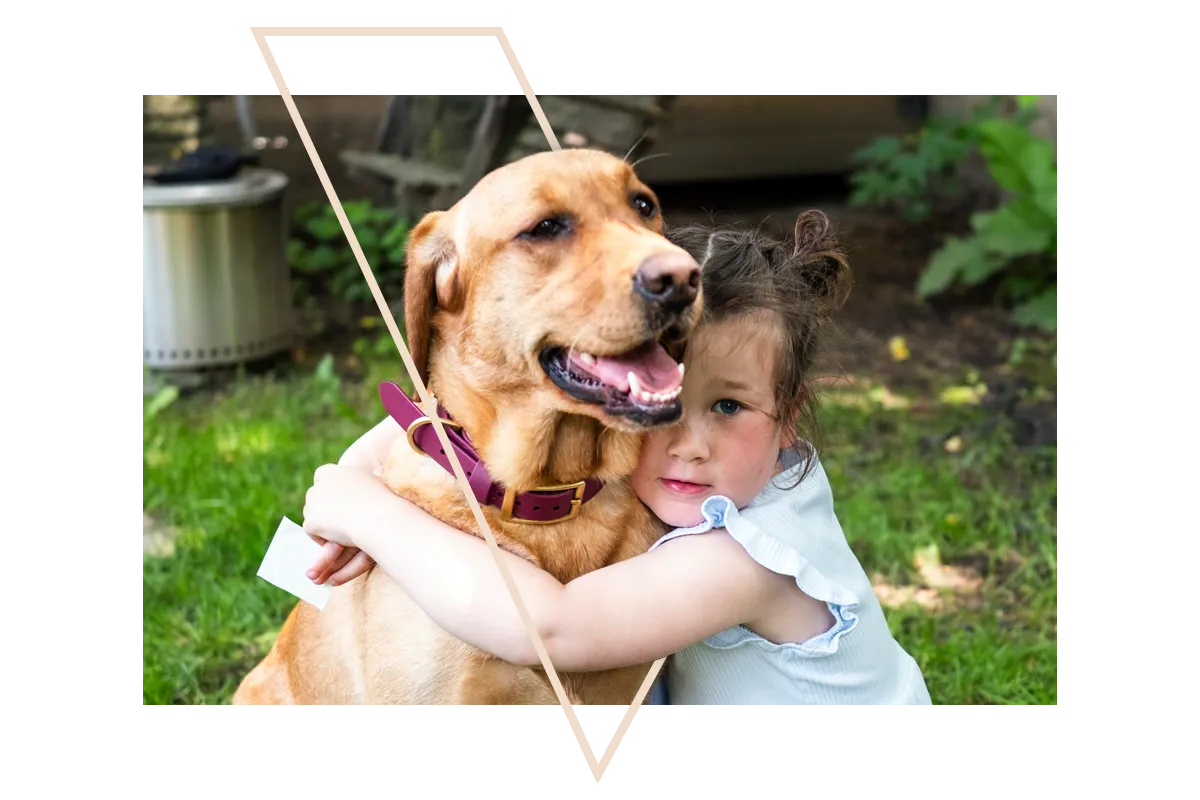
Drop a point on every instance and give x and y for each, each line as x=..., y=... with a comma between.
x=548, y=228
x=644, y=205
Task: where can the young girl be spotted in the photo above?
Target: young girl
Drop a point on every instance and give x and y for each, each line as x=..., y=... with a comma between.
x=755, y=594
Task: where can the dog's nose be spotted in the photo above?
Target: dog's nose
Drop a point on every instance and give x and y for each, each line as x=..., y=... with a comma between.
x=671, y=280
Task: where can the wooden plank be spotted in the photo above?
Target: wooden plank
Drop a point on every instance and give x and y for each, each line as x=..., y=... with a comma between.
x=483, y=149
x=393, y=125
x=402, y=171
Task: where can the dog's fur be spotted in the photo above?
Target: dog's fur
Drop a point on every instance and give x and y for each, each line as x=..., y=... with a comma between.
x=480, y=303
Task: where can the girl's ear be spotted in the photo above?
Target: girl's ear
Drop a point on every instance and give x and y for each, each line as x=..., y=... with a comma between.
x=790, y=424
x=789, y=434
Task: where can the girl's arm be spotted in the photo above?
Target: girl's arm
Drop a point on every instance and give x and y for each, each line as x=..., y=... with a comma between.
x=369, y=450
x=629, y=613
x=338, y=564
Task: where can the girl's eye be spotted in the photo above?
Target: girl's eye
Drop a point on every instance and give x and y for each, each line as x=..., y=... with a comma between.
x=727, y=407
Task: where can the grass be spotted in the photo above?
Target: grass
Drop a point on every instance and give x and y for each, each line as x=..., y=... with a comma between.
x=978, y=526
x=965, y=541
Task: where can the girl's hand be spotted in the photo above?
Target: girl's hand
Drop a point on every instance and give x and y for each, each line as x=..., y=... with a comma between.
x=342, y=501
x=338, y=564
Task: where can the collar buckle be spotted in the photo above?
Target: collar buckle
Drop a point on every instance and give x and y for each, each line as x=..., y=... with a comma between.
x=506, y=509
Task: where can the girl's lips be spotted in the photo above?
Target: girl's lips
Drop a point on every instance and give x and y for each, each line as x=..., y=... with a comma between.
x=684, y=487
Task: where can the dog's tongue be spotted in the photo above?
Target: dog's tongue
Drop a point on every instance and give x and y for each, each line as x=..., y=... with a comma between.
x=655, y=370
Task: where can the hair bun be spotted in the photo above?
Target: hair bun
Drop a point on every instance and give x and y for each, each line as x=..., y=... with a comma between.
x=822, y=263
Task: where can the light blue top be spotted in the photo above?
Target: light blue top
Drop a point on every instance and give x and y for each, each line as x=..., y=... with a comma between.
x=793, y=531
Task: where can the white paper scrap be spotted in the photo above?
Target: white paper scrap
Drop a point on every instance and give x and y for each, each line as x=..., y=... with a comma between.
x=289, y=557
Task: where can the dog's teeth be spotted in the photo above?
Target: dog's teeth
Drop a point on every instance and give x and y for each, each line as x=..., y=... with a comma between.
x=587, y=358
x=646, y=396
x=635, y=386
x=681, y=370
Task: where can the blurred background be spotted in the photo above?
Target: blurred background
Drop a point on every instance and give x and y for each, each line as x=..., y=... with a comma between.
x=263, y=345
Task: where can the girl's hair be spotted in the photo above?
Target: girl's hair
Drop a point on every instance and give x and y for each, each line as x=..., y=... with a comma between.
x=801, y=279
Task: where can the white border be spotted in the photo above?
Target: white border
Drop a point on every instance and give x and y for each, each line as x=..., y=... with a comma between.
x=73, y=609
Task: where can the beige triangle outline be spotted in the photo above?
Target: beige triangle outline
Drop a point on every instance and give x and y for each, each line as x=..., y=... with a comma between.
x=260, y=34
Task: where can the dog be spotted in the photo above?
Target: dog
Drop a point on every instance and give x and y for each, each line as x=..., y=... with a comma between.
x=542, y=311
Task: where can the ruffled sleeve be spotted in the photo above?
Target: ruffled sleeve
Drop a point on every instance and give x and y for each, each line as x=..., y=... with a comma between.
x=770, y=531
x=751, y=530
x=773, y=552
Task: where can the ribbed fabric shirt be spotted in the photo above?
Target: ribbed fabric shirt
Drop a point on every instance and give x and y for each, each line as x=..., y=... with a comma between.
x=794, y=531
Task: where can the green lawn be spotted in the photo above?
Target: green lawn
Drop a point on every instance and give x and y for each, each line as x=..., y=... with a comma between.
x=968, y=537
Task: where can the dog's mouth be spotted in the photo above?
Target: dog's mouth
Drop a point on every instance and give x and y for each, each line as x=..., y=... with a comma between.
x=641, y=385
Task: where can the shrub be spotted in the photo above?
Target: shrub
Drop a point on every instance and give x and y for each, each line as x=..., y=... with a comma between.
x=1017, y=241
x=323, y=262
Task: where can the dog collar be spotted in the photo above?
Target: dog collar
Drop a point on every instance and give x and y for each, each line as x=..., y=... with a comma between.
x=540, y=506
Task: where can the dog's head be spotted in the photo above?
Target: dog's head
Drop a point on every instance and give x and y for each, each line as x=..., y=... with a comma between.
x=552, y=279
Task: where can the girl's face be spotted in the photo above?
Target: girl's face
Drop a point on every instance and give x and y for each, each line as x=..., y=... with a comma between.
x=728, y=440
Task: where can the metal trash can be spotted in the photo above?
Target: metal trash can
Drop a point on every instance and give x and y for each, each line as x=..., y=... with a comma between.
x=216, y=288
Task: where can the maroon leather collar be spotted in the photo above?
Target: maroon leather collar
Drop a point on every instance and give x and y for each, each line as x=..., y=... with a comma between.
x=541, y=506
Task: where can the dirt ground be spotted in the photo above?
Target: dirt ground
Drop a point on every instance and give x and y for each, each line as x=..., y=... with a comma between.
x=948, y=342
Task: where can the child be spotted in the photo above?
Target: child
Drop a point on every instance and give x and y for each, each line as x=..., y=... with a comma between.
x=755, y=592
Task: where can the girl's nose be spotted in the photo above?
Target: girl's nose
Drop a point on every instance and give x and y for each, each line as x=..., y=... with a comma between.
x=687, y=441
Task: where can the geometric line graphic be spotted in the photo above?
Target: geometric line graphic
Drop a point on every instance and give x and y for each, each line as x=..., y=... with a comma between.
x=429, y=402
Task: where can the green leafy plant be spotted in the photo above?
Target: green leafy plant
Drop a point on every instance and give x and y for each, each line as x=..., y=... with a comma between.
x=919, y=175
x=1017, y=241
x=324, y=263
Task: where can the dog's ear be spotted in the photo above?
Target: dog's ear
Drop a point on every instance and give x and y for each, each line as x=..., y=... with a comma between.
x=430, y=282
